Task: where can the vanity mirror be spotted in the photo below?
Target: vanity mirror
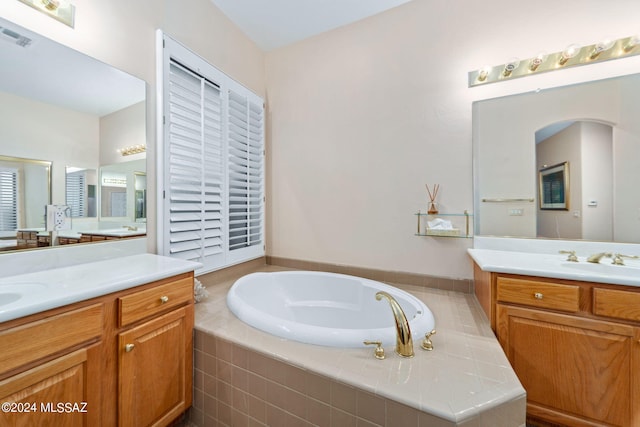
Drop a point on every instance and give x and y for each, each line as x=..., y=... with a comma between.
x=73, y=112
x=593, y=128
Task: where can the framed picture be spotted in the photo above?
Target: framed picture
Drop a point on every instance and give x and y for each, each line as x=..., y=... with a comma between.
x=554, y=187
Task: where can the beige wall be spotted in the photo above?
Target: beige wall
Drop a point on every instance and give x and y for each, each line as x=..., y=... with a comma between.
x=363, y=116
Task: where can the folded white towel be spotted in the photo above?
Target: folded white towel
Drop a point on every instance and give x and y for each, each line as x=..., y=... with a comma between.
x=440, y=224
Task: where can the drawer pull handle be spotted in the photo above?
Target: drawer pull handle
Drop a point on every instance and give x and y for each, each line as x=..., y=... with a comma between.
x=129, y=347
x=538, y=295
x=164, y=299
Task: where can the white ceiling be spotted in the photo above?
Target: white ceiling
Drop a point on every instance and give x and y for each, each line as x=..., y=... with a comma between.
x=276, y=23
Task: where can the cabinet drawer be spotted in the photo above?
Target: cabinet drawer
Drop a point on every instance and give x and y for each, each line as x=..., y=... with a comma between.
x=533, y=293
x=617, y=304
x=33, y=341
x=147, y=303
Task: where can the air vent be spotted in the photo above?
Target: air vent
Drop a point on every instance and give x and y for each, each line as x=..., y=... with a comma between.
x=15, y=38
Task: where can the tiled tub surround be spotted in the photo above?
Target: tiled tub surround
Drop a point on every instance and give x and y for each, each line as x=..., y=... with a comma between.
x=245, y=377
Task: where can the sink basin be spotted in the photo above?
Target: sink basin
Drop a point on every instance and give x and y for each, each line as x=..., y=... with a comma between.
x=608, y=269
x=12, y=292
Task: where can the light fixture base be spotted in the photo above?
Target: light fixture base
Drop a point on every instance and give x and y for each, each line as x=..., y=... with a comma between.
x=60, y=10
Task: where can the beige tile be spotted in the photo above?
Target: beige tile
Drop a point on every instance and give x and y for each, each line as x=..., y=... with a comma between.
x=343, y=397
x=256, y=385
x=225, y=392
x=225, y=413
x=257, y=408
x=370, y=407
x=318, y=413
x=401, y=415
x=224, y=350
x=223, y=371
x=295, y=378
x=240, y=378
x=239, y=356
x=343, y=419
x=318, y=387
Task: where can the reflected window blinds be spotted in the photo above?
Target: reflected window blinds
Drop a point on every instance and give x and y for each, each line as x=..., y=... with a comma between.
x=8, y=200
x=213, y=205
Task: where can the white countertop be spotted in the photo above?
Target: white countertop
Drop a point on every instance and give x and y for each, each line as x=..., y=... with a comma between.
x=555, y=265
x=57, y=287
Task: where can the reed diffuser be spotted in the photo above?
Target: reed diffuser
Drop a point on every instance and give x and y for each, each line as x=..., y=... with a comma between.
x=433, y=206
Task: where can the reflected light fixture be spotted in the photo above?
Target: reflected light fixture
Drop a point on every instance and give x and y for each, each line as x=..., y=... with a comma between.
x=60, y=10
x=132, y=149
x=537, y=61
x=601, y=46
x=483, y=73
x=632, y=43
x=510, y=66
x=569, y=52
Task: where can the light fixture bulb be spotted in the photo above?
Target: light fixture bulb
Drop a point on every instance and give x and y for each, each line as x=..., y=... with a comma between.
x=600, y=47
x=632, y=43
x=571, y=51
x=51, y=4
x=483, y=73
x=510, y=66
x=537, y=61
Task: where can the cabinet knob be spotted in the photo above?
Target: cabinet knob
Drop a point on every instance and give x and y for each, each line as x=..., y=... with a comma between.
x=538, y=295
x=164, y=299
x=128, y=347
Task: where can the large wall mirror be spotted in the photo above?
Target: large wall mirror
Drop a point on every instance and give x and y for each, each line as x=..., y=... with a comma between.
x=64, y=120
x=562, y=163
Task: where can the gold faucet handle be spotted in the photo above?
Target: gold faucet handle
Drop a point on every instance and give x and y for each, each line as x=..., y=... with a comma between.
x=571, y=255
x=426, y=343
x=618, y=258
x=379, y=351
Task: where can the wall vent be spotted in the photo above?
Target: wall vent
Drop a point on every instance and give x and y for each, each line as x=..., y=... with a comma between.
x=15, y=38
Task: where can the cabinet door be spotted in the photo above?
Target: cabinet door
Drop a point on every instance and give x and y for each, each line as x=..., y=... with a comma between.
x=575, y=371
x=63, y=392
x=155, y=364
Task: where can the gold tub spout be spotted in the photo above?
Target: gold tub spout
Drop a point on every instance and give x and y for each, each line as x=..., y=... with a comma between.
x=404, y=343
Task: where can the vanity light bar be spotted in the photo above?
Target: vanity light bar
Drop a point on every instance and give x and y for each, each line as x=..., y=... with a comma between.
x=133, y=149
x=60, y=10
x=572, y=56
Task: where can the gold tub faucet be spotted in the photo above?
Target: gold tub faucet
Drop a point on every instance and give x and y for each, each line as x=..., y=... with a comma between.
x=404, y=342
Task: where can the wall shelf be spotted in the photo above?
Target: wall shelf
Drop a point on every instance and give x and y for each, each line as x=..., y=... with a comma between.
x=462, y=225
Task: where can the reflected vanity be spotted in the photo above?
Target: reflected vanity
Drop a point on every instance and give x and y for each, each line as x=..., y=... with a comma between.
x=74, y=122
x=591, y=127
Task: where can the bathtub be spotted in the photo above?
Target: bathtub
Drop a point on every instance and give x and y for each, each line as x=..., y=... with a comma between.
x=327, y=309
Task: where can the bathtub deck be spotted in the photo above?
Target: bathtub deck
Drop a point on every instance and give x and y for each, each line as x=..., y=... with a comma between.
x=466, y=380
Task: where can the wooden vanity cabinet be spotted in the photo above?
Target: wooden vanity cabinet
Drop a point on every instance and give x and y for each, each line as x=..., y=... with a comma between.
x=574, y=345
x=155, y=356
x=72, y=366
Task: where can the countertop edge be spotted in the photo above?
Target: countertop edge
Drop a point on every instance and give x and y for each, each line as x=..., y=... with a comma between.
x=68, y=285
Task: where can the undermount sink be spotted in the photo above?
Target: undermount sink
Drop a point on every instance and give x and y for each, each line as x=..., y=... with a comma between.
x=12, y=292
x=608, y=269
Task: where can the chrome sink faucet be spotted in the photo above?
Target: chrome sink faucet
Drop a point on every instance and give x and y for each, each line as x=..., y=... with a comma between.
x=404, y=342
x=595, y=258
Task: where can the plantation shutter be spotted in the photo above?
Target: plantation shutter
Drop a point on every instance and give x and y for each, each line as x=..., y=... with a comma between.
x=213, y=208
x=246, y=152
x=75, y=186
x=195, y=174
x=8, y=199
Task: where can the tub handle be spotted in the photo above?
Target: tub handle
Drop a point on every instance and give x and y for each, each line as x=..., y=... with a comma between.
x=379, y=351
x=426, y=343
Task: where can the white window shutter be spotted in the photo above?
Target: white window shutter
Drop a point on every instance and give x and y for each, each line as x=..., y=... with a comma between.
x=75, y=195
x=246, y=175
x=213, y=210
x=8, y=199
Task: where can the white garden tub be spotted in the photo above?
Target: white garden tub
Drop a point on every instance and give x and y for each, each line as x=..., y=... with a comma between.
x=324, y=308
